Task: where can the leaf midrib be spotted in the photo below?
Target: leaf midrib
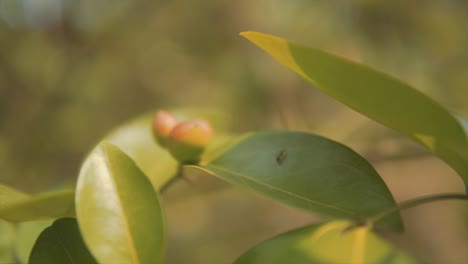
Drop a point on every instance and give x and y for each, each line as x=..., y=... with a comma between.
x=130, y=240
x=277, y=189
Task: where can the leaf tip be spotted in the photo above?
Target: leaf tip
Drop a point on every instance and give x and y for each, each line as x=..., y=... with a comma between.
x=244, y=33
x=250, y=35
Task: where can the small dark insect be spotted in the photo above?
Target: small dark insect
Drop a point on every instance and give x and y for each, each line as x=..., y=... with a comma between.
x=281, y=156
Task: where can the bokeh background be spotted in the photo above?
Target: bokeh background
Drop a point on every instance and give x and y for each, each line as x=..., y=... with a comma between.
x=71, y=70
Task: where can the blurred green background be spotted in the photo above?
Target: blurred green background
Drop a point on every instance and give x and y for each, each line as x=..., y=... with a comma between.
x=72, y=70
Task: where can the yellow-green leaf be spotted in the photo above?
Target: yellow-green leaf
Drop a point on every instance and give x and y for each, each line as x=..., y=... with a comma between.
x=9, y=195
x=329, y=243
x=377, y=95
x=55, y=204
x=118, y=210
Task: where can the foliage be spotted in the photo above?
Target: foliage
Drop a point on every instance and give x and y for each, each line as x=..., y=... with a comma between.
x=380, y=97
x=325, y=243
x=119, y=213
x=61, y=243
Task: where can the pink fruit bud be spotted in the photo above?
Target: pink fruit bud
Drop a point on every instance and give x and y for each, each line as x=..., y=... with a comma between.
x=163, y=123
x=188, y=140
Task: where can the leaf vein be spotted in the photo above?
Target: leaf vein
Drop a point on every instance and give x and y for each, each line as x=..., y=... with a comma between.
x=126, y=224
x=244, y=177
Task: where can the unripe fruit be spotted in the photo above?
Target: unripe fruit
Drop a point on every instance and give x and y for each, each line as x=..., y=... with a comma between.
x=163, y=123
x=188, y=140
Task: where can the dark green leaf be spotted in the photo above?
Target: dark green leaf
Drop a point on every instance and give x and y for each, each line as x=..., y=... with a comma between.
x=118, y=211
x=42, y=206
x=377, y=95
x=329, y=243
x=306, y=171
x=61, y=243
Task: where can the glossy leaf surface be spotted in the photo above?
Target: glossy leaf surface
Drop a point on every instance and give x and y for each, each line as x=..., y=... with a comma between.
x=329, y=243
x=55, y=204
x=118, y=211
x=306, y=171
x=61, y=243
x=377, y=95
x=135, y=138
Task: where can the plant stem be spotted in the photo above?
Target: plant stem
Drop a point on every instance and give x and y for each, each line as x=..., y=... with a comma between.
x=415, y=202
x=177, y=176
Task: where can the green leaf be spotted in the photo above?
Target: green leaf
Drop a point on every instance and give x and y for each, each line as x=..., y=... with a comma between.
x=328, y=243
x=135, y=138
x=9, y=195
x=308, y=172
x=41, y=206
x=25, y=237
x=118, y=211
x=377, y=95
x=61, y=243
